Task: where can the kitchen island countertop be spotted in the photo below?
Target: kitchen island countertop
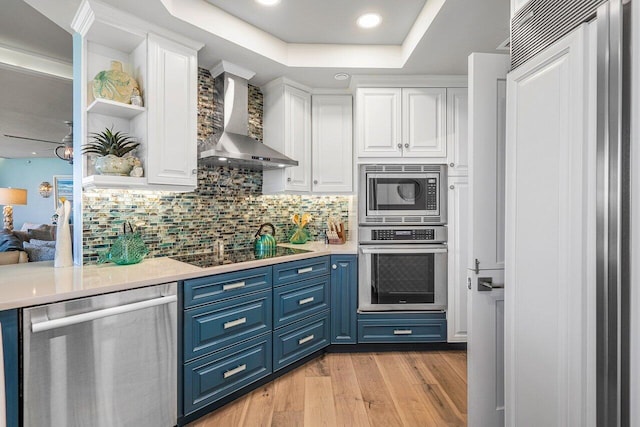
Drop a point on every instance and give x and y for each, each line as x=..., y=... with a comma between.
x=24, y=285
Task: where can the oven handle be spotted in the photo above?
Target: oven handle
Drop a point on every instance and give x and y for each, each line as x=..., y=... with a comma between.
x=414, y=250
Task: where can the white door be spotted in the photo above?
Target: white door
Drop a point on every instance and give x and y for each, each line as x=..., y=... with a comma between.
x=172, y=100
x=332, y=152
x=550, y=237
x=457, y=237
x=424, y=122
x=485, y=309
x=297, y=138
x=378, y=123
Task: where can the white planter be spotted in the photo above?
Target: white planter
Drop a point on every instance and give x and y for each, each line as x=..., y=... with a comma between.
x=114, y=165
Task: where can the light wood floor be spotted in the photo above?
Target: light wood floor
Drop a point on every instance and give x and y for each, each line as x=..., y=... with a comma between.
x=361, y=389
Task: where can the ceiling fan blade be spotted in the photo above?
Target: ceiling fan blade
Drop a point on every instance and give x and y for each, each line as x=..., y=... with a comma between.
x=33, y=139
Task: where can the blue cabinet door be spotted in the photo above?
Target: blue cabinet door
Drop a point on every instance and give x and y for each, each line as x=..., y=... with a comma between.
x=289, y=272
x=344, y=299
x=295, y=341
x=298, y=300
x=9, y=321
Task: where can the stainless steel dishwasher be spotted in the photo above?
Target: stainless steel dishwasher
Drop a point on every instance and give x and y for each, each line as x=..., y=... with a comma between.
x=108, y=360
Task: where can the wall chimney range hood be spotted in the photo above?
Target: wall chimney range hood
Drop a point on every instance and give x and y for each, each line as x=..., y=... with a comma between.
x=233, y=146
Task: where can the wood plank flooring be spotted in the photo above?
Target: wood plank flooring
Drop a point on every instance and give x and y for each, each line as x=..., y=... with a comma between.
x=426, y=388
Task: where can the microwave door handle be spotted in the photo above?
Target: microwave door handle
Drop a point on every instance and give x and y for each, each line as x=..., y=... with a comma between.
x=368, y=251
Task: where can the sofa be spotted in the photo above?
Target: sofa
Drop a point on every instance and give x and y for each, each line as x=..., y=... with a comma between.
x=35, y=242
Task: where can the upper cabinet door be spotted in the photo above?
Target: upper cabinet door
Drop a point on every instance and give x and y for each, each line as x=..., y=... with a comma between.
x=423, y=122
x=172, y=108
x=332, y=143
x=378, y=122
x=297, y=138
x=457, y=138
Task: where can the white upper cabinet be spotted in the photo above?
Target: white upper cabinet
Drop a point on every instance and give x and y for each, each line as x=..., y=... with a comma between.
x=395, y=122
x=287, y=128
x=379, y=131
x=457, y=134
x=423, y=122
x=332, y=148
x=172, y=116
x=323, y=148
x=164, y=65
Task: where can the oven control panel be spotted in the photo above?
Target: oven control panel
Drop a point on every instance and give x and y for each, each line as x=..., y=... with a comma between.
x=422, y=235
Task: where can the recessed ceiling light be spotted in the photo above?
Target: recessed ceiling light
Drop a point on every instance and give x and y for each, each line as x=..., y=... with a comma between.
x=268, y=2
x=341, y=76
x=369, y=20
x=34, y=153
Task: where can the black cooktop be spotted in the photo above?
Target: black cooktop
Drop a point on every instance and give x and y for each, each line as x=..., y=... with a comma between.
x=239, y=255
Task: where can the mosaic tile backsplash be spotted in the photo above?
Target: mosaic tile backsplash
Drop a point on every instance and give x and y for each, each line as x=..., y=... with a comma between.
x=228, y=203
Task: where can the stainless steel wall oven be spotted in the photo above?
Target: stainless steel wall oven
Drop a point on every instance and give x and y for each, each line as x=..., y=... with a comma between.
x=402, y=268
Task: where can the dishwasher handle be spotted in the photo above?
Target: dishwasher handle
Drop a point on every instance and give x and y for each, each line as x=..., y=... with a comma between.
x=99, y=314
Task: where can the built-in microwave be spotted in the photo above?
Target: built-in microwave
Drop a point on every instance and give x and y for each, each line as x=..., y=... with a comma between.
x=402, y=194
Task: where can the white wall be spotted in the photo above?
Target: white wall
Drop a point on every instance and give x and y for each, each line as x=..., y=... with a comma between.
x=29, y=173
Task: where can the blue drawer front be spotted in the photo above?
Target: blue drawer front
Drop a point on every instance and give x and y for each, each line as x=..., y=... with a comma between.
x=299, y=300
x=300, y=339
x=220, y=374
x=213, y=288
x=211, y=327
x=402, y=330
x=299, y=270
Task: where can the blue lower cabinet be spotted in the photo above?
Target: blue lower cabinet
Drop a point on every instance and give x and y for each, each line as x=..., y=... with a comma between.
x=293, y=342
x=390, y=328
x=228, y=285
x=299, y=300
x=289, y=272
x=213, y=377
x=344, y=299
x=10, y=356
x=214, y=326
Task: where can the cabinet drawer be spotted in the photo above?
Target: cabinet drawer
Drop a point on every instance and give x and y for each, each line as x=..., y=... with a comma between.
x=211, y=327
x=213, y=288
x=298, y=270
x=402, y=330
x=299, y=300
x=300, y=339
x=210, y=378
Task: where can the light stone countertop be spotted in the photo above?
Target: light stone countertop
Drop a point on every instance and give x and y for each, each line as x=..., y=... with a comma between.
x=35, y=283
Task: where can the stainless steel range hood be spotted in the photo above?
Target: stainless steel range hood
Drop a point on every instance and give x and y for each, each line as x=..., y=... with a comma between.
x=233, y=146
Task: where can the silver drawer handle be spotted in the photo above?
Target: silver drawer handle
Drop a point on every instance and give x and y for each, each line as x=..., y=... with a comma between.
x=237, y=322
x=305, y=339
x=306, y=301
x=235, y=371
x=233, y=286
x=305, y=270
x=402, y=332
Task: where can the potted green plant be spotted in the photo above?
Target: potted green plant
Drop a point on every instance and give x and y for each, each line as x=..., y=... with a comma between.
x=111, y=149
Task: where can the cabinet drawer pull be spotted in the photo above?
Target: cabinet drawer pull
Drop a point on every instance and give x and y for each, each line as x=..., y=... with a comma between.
x=237, y=322
x=234, y=371
x=305, y=339
x=402, y=332
x=305, y=270
x=233, y=286
x=306, y=301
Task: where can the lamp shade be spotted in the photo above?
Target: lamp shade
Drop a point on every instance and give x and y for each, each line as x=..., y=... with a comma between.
x=13, y=196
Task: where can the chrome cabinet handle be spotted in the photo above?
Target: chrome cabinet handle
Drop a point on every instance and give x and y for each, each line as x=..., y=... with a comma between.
x=233, y=286
x=451, y=187
x=305, y=339
x=400, y=146
x=315, y=181
x=231, y=324
x=306, y=301
x=234, y=371
x=451, y=165
x=305, y=270
x=335, y=267
x=194, y=171
x=402, y=332
x=406, y=145
x=289, y=179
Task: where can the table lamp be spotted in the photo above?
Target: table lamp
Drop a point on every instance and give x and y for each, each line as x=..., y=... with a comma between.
x=8, y=198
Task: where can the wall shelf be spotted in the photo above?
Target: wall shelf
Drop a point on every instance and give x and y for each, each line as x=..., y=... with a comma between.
x=108, y=107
